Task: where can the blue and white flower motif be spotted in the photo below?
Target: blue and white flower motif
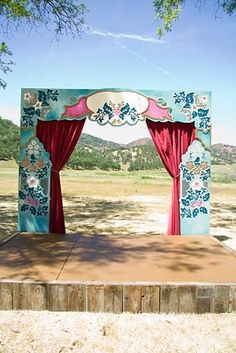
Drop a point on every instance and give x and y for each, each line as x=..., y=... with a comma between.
x=36, y=105
x=116, y=114
x=195, y=108
x=195, y=170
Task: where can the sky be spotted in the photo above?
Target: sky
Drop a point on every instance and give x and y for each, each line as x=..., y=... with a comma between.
x=121, y=50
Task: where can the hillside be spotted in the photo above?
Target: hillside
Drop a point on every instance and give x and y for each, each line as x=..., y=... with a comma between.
x=140, y=142
x=93, y=152
x=223, y=154
x=90, y=141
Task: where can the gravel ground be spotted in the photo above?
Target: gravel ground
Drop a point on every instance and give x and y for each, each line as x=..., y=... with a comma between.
x=50, y=332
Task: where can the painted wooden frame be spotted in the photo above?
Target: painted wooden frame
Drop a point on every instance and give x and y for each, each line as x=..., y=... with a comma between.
x=116, y=107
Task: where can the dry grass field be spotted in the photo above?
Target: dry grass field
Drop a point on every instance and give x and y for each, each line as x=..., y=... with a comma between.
x=98, y=202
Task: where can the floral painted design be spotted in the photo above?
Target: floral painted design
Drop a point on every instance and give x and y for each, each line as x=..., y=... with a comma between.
x=196, y=184
x=195, y=168
x=196, y=171
x=116, y=114
x=32, y=182
x=195, y=202
x=34, y=167
x=36, y=104
x=195, y=107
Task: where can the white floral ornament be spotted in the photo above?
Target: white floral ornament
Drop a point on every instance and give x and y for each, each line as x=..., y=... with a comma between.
x=196, y=184
x=30, y=98
x=202, y=101
x=33, y=148
x=32, y=182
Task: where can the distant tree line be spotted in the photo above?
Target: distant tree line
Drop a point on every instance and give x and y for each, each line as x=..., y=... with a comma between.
x=92, y=152
x=9, y=140
x=83, y=158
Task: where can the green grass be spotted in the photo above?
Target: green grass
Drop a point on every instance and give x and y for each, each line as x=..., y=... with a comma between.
x=224, y=174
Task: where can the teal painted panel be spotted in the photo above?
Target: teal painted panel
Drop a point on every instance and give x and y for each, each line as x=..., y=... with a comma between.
x=34, y=188
x=118, y=106
x=194, y=194
x=49, y=104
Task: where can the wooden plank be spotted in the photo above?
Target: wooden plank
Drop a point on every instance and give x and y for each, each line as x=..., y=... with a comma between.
x=39, y=296
x=187, y=299
x=132, y=298
x=204, y=291
x=141, y=298
x=204, y=299
x=57, y=297
x=113, y=298
x=21, y=296
x=150, y=302
x=116, y=298
x=221, y=299
x=95, y=298
x=232, y=299
x=169, y=299
x=66, y=297
x=29, y=296
x=76, y=297
x=5, y=296
x=204, y=305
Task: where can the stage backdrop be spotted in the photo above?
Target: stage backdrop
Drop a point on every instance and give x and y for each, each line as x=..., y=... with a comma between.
x=179, y=123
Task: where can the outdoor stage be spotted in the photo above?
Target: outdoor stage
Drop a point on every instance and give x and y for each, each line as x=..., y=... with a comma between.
x=117, y=273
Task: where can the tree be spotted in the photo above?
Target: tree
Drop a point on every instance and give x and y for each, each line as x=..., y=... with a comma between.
x=63, y=17
x=9, y=140
x=168, y=11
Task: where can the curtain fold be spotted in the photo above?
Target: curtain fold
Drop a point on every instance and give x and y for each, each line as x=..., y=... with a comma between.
x=171, y=141
x=59, y=138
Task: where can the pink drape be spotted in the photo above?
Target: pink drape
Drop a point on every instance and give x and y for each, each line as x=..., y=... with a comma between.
x=59, y=138
x=172, y=141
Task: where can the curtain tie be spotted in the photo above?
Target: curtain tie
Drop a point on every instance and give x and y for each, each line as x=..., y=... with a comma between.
x=176, y=176
x=55, y=171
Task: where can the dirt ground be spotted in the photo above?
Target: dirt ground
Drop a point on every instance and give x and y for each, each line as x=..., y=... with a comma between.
x=120, y=215
x=118, y=203
x=50, y=332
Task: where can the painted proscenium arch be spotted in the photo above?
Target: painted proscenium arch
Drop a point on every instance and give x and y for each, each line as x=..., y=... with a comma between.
x=117, y=108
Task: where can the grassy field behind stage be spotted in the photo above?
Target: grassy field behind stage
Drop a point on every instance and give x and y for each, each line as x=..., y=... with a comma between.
x=99, y=202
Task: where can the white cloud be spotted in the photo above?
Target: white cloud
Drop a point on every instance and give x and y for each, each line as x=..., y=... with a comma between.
x=138, y=37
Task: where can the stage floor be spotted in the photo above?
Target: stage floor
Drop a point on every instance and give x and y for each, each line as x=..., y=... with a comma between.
x=49, y=257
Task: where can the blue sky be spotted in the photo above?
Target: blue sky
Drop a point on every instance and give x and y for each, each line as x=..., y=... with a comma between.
x=122, y=50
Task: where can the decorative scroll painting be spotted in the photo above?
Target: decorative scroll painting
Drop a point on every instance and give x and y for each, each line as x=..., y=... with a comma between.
x=34, y=187
x=195, y=194
x=115, y=107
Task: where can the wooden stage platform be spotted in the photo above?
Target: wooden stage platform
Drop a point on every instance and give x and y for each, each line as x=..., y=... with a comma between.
x=117, y=273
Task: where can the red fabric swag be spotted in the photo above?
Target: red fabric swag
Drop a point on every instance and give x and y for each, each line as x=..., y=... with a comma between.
x=172, y=141
x=59, y=138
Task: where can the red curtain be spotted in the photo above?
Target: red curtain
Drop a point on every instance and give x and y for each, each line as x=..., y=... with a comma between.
x=59, y=138
x=172, y=141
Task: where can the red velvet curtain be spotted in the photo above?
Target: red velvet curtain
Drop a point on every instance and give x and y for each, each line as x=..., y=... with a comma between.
x=59, y=138
x=172, y=141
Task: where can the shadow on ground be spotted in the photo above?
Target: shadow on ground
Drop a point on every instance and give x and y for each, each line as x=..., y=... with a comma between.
x=42, y=257
x=101, y=216
x=92, y=216
x=8, y=215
